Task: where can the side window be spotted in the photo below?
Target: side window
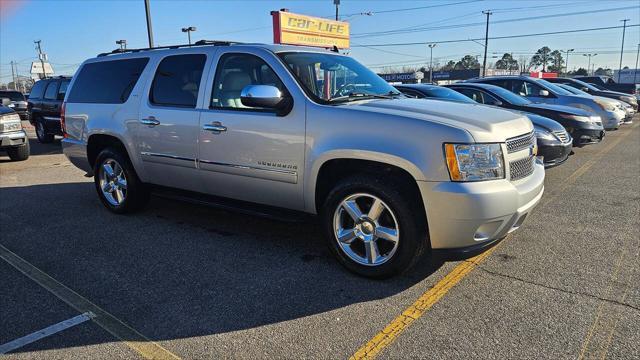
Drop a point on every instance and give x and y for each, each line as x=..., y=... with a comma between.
x=177, y=80
x=37, y=91
x=526, y=88
x=52, y=90
x=233, y=73
x=489, y=99
x=472, y=94
x=63, y=89
x=107, y=82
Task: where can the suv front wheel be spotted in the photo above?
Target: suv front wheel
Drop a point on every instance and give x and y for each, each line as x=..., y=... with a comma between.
x=373, y=226
x=117, y=183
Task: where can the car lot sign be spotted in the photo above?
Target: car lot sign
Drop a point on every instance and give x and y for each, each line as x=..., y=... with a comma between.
x=296, y=29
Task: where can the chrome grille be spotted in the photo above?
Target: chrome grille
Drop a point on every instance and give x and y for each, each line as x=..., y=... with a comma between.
x=562, y=135
x=520, y=142
x=522, y=168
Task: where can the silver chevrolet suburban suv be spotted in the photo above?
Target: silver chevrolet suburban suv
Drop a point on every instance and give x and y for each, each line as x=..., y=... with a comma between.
x=307, y=130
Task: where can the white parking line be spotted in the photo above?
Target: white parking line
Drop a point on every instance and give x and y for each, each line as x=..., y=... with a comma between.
x=50, y=330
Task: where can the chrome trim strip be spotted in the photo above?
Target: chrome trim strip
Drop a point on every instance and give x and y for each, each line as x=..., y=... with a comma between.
x=166, y=156
x=250, y=171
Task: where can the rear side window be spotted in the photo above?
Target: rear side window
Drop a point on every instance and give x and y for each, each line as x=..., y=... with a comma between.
x=37, y=91
x=177, y=80
x=107, y=82
x=63, y=89
x=52, y=90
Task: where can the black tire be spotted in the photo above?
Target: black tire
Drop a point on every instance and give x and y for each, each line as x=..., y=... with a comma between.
x=19, y=153
x=137, y=194
x=41, y=132
x=409, y=214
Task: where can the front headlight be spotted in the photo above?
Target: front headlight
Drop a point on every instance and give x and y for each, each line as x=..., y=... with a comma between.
x=10, y=122
x=543, y=133
x=576, y=117
x=474, y=162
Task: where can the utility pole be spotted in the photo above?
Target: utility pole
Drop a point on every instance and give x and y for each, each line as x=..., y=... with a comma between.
x=337, y=4
x=624, y=28
x=147, y=9
x=41, y=56
x=589, y=63
x=188, y=30
x=635, y=71
x=13, y=76
x=566, y=64
x=431, y=46
x=486, y=43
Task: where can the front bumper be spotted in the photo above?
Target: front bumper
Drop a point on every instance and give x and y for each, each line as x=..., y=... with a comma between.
x=554, y=152
x=584, y=133
x=12, y=139
x=76, y=152
x=466, y=216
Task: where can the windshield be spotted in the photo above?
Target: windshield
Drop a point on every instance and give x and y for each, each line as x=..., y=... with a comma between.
x=327, y=77
x=12, y=95
x=584, y=84
x=509, y=96
x=445, y=94
x=554, y=88
x=573, y=90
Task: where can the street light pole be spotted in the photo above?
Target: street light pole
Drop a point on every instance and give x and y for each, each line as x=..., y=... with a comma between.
x=147, y=9
x=188, y=30
x=337, y=4
x=41, y=56
x=589, y=63
x=486, y=43
x=431, y=46
x=635, y=71
x=624, y=28
x=566, y=64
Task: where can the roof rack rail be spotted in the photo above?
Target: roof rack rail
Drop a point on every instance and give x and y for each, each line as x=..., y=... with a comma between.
x=197, y=43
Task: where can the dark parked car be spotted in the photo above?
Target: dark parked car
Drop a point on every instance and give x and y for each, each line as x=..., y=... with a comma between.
x=592, y=90
x=610, y=84
x=18, y=102
x=45, y=105
x=554, y=143
x=578, y=122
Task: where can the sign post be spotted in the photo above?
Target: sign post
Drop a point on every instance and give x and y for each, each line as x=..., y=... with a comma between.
x=296, y=29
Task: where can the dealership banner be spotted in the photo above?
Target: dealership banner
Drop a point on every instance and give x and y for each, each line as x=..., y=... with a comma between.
x=296, y=29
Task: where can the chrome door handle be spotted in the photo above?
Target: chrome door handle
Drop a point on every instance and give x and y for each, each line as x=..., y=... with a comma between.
x=151, y=121
x=215, y=127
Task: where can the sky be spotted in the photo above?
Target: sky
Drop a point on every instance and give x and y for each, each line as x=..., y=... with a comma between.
x=73, y=31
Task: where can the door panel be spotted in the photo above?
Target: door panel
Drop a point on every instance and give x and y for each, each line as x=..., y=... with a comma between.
x=259, y=156
x=168, y=122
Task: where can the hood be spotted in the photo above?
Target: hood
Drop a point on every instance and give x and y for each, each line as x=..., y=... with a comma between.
x=544, y=122
x=484, y=123
x=560, y=108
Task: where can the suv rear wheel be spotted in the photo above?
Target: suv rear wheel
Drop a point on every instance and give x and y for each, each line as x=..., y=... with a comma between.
x=41, y=133
x=117, y=184
x=373, y=227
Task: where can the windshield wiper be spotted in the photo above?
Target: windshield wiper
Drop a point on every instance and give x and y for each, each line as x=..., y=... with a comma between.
x=355, y=95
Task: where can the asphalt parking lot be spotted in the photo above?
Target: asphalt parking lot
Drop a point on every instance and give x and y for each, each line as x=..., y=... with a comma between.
x=180, y=280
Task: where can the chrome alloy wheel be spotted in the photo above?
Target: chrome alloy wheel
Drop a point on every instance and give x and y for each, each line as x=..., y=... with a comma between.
x=113, y=182
x=369, y=238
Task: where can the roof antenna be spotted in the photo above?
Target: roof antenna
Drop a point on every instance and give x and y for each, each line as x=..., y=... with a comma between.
x=335, y=49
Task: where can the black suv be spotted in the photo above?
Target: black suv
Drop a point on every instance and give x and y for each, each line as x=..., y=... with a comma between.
x=45, y=105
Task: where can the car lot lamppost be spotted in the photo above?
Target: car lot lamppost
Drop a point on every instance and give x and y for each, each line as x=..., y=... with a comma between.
x=635, y=71
x=147, y=10
x=431, y=46
x=566, y=63
x=486, y=43
x=122, y=43
x=589, y=63
x=188, y=30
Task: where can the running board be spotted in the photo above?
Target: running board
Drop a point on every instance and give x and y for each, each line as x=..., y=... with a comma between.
x=243, y=207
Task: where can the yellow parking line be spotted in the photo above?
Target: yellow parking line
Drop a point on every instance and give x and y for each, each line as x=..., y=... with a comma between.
x=433, y=295
x=133, y=339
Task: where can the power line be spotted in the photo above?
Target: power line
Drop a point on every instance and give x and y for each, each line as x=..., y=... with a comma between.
x=414, y=8
x=495, y=37
x=457, y=26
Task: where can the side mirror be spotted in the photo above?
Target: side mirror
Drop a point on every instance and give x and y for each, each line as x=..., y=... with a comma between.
x=544, y=93
x=6, y=101
x=265, y=96
x=497, y=103
x=585, y=89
